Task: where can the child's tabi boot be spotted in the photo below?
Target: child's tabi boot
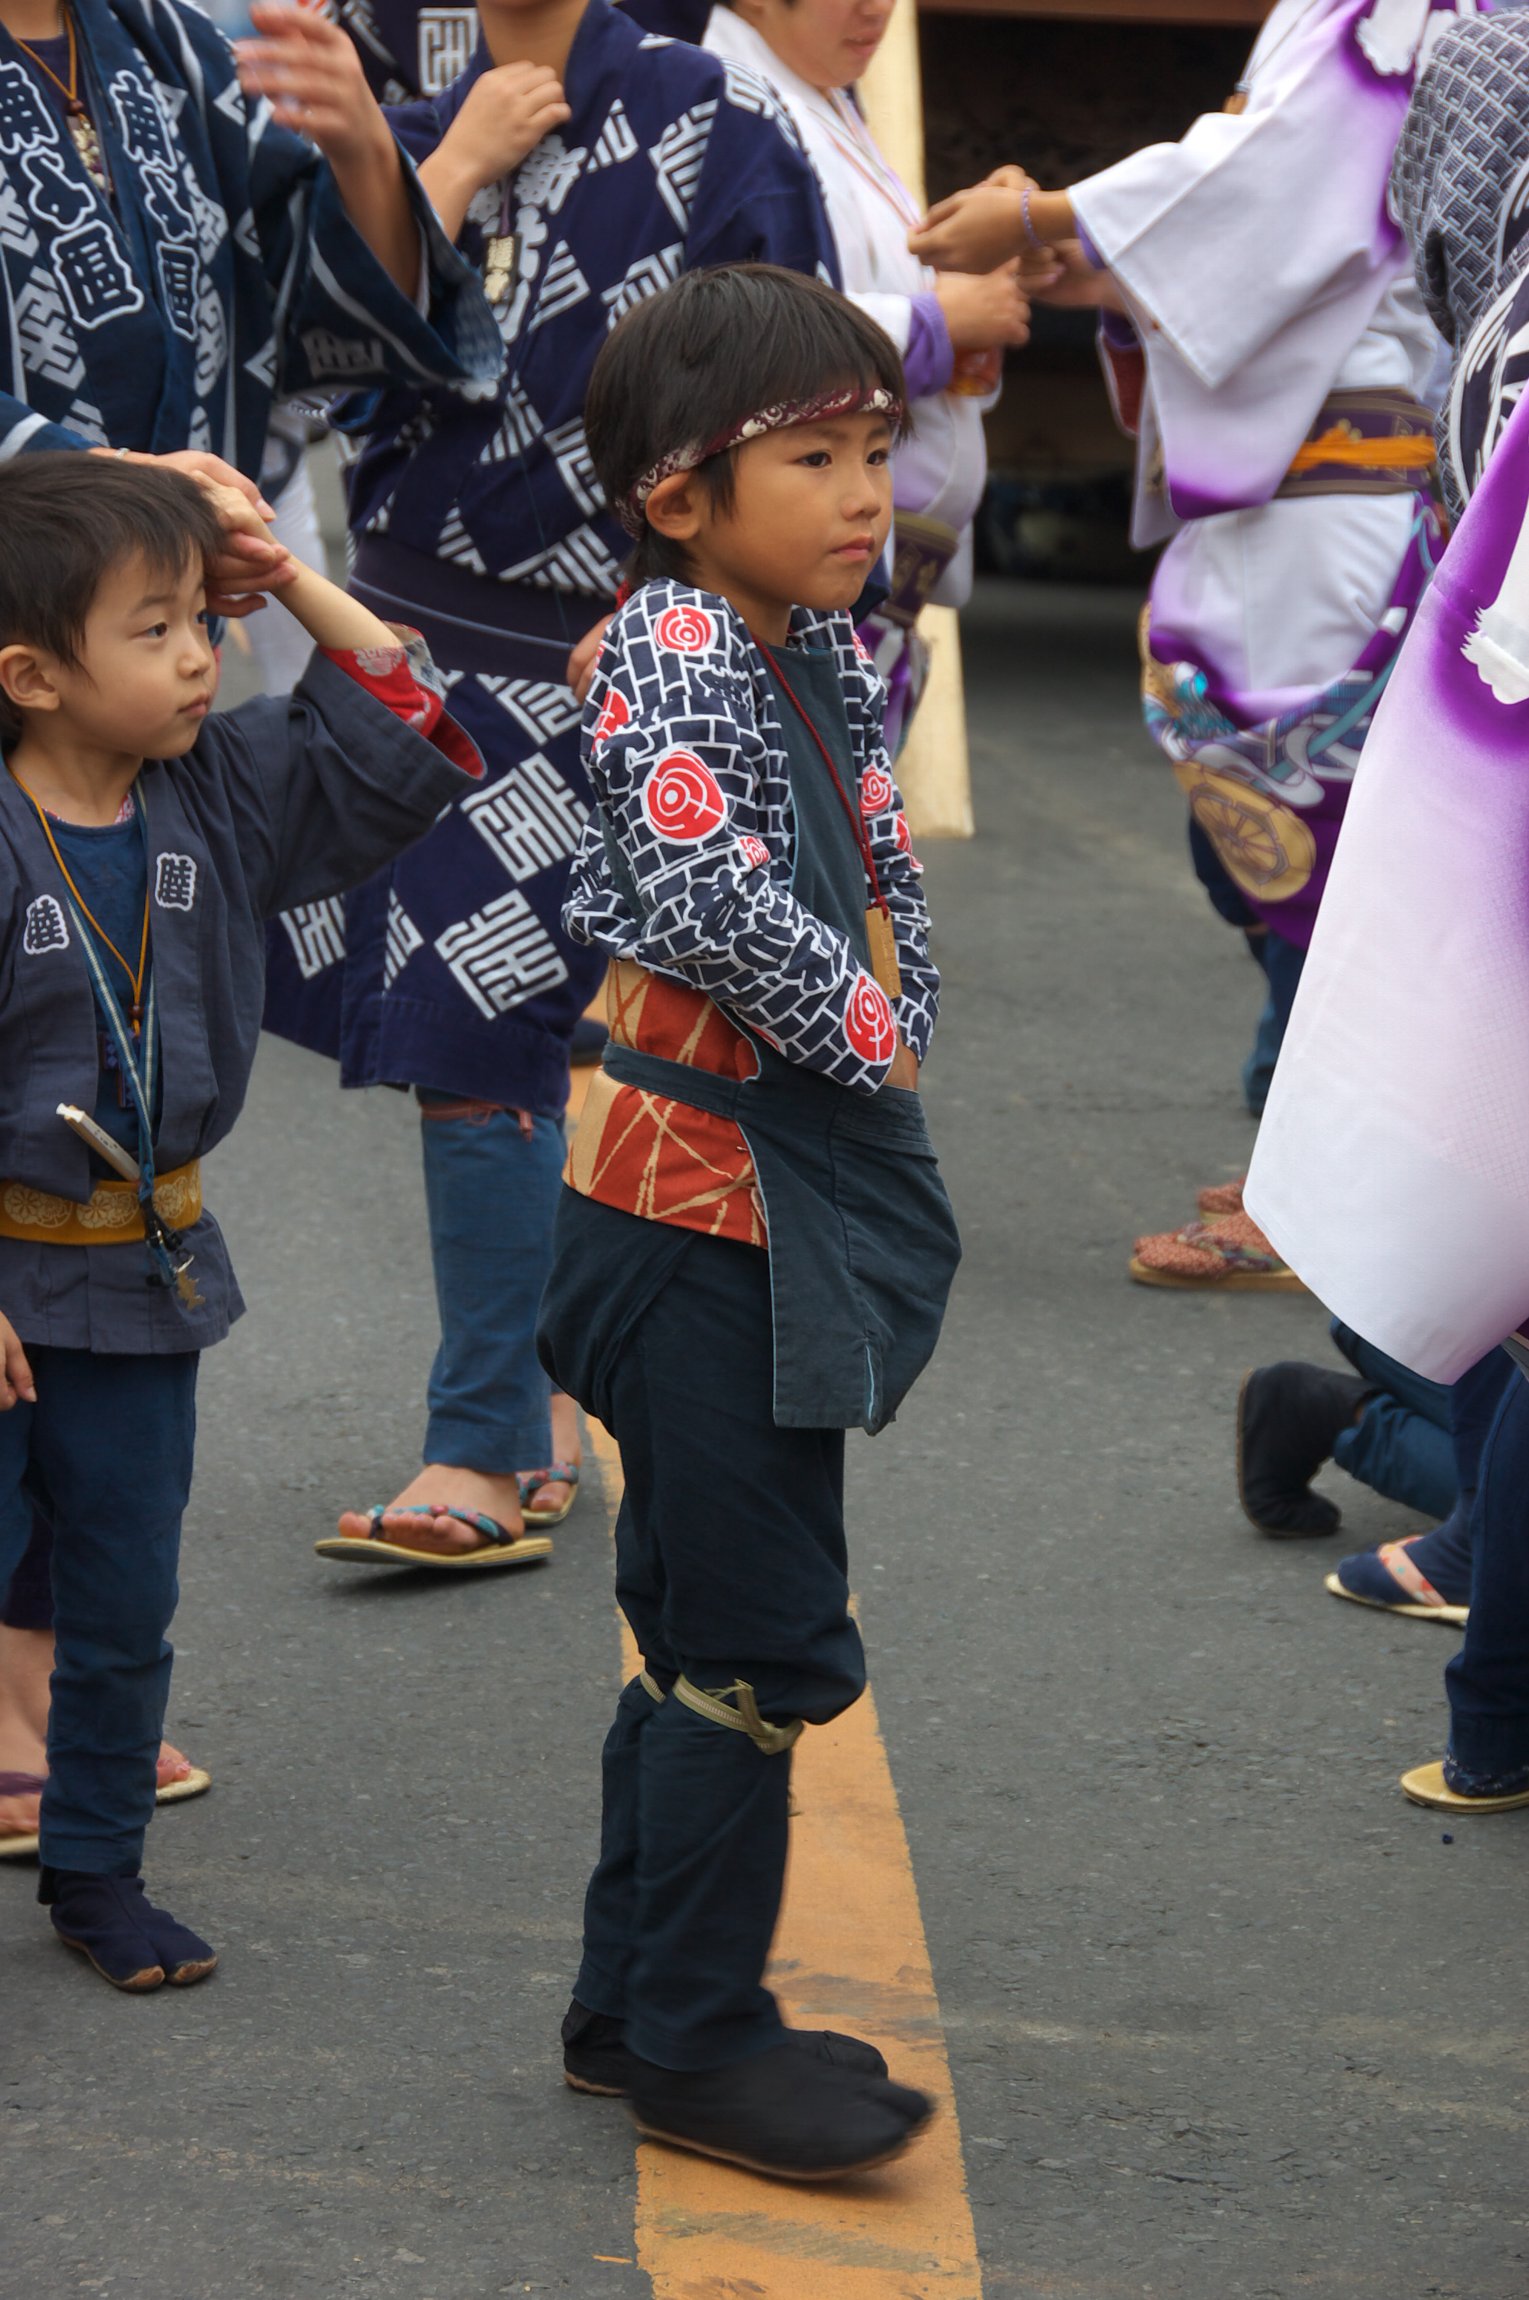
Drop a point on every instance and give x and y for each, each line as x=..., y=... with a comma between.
x=112, y=1921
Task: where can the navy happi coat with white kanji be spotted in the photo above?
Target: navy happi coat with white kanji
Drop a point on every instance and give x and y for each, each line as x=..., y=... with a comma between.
x=217, y=270
x=453, y=971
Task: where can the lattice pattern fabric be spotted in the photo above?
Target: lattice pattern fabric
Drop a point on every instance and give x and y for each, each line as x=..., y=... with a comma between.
x=670, y=161
x=684, y=749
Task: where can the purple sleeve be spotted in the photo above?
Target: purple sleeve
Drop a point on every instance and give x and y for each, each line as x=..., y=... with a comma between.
x=930, y=359
x=1117, y=331
x=1091, y=254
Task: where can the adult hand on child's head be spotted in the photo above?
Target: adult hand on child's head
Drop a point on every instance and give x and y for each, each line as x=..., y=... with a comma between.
x=252, y=558
x=973, y=231
x=310, y=71
x=251, y=563
x=984, y=308
x=16, y=1384
x=505, y=115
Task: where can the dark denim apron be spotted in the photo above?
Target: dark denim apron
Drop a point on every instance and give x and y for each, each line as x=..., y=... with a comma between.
x=863, y=1243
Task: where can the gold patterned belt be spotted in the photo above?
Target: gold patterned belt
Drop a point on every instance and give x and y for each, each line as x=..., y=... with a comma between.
x=110, y=1216
x=1364, y=443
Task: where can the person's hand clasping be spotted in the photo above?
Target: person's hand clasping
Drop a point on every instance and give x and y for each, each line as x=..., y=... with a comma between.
x=1077, y=285
x=252, y=557
x=234, y=584
x=984, y=308
x=975, y=230
x=16, y=1384
x=505, y=116
x=309, y=70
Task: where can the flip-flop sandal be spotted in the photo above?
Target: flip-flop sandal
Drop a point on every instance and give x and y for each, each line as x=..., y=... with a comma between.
x=504, y=1547
x=1377, y=1573
x=1218, y=1199
x=531, y=1481
x=1426, y=1785
x=22, y=1845
x=1230, y=1257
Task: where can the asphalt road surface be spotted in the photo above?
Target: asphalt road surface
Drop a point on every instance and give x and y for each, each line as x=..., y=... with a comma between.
x=1225, y=2015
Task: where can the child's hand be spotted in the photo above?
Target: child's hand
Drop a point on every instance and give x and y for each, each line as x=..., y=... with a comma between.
x=973, y=231
x=904, y=1070
x=984, y=308
x=506, y=115
x=241, y=574
x=16, y=1384
x=581, y=663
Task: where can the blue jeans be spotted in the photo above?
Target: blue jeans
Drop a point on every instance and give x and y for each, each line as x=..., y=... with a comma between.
x=105, y=1454
x=1282, y=962
x=491, y=1188
x=1403, y=1443
x=1488, y=1680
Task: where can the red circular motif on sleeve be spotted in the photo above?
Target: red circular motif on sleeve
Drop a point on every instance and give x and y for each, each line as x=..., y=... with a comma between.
x=868, y=1023
x=876, y=791
x=903, y=835
x=754, y=851
x=683, y=799
x=685, y=630
x=861, y=649
x=614, y=714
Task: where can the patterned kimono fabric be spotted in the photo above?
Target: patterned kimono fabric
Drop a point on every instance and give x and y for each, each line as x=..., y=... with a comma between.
x=1408, y=1057
x=1285, y=453
x=940, y=469
x=144, y=313
x=485, y=527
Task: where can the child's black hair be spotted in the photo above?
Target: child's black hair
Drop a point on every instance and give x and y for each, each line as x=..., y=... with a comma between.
x=66, y=520
x=703, y=355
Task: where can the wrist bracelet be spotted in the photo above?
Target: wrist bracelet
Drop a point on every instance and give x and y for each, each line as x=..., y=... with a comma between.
x=1041, y=247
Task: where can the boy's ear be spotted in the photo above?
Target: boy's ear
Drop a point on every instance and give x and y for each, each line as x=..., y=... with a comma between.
x=26, y=678
x=673, y=508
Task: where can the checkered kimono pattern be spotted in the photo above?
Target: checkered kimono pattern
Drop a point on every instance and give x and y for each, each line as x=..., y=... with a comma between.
x=684, y=749
x=1460, y=191
x=221, y=271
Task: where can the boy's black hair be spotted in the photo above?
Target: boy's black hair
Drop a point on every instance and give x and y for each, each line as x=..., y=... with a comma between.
x=705, y=354
x=66, y=520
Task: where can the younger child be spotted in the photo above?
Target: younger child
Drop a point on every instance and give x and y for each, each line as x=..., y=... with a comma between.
x=755, y=1247
x=143, y=844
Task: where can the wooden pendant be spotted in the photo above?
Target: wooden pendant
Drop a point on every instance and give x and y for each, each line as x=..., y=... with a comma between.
x=87, y=143
x=499, y=266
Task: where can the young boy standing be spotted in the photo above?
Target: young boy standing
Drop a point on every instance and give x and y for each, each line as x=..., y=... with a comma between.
x=755, y=1248
x=142, y=847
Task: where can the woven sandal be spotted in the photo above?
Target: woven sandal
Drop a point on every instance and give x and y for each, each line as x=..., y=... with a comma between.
x=1218, y=1199
x=531, y=1481
x=1426, y=1785
x=1387, y=1579
x=1230, y=1257
x=501, y=1547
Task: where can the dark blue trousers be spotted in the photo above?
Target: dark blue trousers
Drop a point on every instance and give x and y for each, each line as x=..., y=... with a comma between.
x=105, y=1456
x=1403, y=1444
x=1488, y=1680
x=730, y=1563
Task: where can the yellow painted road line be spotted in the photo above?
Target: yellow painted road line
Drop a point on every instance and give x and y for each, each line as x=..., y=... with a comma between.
x=850, y=1953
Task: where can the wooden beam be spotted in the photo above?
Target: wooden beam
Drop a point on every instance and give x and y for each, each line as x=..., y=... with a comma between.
x=1113, y=11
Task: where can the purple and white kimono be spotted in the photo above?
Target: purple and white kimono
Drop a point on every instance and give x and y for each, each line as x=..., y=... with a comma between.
x=1263, y=276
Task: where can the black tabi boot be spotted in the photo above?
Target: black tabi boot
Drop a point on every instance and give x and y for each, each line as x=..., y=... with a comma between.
x=112, y=1921
x=1289, y=1418
x=786, y=2112
x=595, y=2057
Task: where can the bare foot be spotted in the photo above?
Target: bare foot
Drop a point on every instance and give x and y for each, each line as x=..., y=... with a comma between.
x=567, y=1445
x=439, y=1487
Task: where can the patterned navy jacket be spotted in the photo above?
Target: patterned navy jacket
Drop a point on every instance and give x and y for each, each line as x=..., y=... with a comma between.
x=683, y=745
x=672, y=159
